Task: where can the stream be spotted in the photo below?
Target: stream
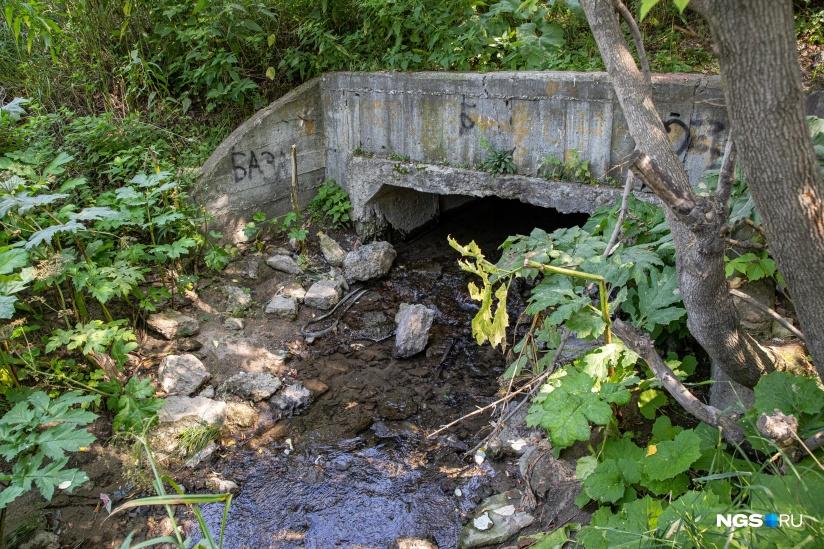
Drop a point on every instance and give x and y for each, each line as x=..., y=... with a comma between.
x=356, y=469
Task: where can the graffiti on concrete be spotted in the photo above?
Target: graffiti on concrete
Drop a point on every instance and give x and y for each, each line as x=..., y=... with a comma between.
x=246, y=165
x=700, y=136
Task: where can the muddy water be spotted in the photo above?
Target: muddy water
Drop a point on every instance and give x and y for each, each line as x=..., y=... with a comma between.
x=356, y=469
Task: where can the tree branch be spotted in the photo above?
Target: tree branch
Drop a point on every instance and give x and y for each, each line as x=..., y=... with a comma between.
x=642, y=344
x=726, y=177
x=613, y=239
x=637, y=38
x=758, y=305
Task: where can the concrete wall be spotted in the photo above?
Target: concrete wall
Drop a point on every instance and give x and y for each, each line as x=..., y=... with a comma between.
x=440, y=117
x=251, y=170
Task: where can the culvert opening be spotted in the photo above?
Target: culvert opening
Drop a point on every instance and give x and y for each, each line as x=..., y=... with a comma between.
x=488, y=221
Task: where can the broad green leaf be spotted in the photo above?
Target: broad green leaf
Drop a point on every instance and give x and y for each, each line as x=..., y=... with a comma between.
x=646, y=6
x=673, y=457
x=568, y=409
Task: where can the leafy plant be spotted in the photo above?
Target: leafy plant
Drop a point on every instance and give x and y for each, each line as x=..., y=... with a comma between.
x=497, y=161
x=37, y=433
x=168, y=501
x=134, y=403
x=330, y=205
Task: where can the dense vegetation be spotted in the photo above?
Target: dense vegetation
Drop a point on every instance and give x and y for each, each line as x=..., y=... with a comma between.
x=108, y=108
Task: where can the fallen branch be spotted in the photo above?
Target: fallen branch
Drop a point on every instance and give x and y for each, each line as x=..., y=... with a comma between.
x=778, y=318
x=528, y=386
x=502, y=421
x=641, y=344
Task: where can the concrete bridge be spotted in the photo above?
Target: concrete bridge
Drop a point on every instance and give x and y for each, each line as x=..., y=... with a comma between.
x=404, y=144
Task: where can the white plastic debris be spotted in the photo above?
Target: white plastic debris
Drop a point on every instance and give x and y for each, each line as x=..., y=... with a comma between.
x=483, y=522
x=480, y=456
x=458, y=492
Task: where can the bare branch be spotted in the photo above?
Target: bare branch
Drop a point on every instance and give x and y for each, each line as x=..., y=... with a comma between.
x=815, y=441
x=642, y=344
x=681, y=202
x=612, y=244
x=758, y=305
x=626, y=15
x=726, y=176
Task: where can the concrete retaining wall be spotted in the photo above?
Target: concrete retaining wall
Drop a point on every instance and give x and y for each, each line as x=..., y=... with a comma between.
x=251, y=170
x=439, y=117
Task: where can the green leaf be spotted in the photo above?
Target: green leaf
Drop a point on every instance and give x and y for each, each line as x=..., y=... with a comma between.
x=12, y=259
x=55, y=441
x=566, y=411
x=673, y=457
x=792, y=394
x=646, y=6
x=606, y=483
x=681, y=4
x=658, y=300
x=650, y=400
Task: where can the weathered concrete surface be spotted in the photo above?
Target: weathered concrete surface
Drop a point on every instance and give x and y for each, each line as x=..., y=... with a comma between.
x=382, y=195
x=251, y=170
x=441, y=118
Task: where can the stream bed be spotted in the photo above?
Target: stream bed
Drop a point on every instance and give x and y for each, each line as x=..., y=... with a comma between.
x=356, y=469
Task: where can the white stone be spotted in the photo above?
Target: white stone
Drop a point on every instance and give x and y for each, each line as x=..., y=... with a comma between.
x=323, y=294
x=283, y=307
x=205, y=409
x=172, y=324
x=284, y=263
x=182, y=374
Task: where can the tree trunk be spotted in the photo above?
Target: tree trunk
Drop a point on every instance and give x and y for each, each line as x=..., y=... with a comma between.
x=695, y=222
x=765, y=101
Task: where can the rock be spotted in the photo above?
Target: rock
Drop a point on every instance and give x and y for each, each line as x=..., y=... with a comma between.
x=331, y=250
x=252, y=386
x=294, y=290
x=172, y=324
x=370, y=261
x=284, y=263
x=413, y=543
x=41, y=540
x=412, y=329
x=283, y=307
x=221, y=485
x=396, y=429
x=182, y=374
x=552, y=480
x=205, y=409
x=323, y=294
x=500, y=519
x=237, y=299
x=240, y=415
x=316, y=387
x=233, y=323
x=204, y=455
x=290, y=400
x=208, y=392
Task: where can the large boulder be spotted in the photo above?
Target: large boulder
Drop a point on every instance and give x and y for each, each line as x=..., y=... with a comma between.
x=254, y=386
x=176, y=408
x=172, y=324
x=413, y=323
x=182, y=374
x=284, y=263
x=331, y=250
x=369, y=261
x=323, y=294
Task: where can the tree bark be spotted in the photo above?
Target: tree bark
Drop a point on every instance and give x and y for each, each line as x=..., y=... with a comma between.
x=695, y=222
x=765, y=102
